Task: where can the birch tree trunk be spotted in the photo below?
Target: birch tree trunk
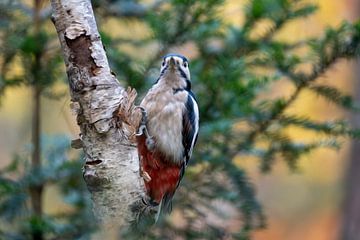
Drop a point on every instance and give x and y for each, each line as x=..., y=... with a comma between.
x=111, y=169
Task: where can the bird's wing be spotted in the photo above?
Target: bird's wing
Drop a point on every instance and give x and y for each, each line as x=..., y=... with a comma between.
x=190, y=126
x=189, y=136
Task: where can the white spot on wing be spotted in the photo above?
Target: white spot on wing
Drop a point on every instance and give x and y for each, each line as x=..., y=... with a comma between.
x=196, y=130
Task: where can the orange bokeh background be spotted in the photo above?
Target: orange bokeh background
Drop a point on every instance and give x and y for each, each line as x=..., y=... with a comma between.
x=302, y=205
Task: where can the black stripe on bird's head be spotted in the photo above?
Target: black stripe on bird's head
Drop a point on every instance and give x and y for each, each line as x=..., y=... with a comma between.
x=175, y=64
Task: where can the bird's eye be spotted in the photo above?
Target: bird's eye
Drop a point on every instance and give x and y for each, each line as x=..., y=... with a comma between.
x=185, y=64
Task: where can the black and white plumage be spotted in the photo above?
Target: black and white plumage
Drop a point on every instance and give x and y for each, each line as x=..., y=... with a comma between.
x=173, y=123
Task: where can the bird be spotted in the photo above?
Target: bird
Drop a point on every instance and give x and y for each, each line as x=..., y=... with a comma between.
x=167, y=135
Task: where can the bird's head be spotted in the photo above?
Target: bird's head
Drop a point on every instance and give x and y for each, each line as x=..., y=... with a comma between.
x=175, y=65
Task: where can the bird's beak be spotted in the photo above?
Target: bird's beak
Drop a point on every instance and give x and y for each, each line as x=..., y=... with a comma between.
x=172, y=62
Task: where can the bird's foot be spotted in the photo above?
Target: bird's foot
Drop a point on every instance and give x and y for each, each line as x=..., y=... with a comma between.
x=150, y=143
x=142, y=127
x=145, y=209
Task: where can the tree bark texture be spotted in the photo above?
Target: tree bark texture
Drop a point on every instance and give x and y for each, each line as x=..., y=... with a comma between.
x=351, y=204
x=111, y=169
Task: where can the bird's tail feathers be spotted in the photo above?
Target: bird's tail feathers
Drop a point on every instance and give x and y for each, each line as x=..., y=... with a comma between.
x=165, y=206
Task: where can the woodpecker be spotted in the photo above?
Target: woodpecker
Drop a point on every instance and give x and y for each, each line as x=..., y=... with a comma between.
x=167, y=137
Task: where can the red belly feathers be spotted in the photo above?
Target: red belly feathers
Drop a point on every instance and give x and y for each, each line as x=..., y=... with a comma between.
x=164, y=174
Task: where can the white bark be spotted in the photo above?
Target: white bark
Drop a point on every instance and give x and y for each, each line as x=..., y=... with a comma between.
x=111, y=169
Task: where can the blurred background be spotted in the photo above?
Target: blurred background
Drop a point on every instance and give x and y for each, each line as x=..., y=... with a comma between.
x=300, y=202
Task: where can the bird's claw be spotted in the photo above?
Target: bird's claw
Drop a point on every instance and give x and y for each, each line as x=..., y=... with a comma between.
x=142, y=127
x=141, y=130
x=150, y=143
x=143, y=115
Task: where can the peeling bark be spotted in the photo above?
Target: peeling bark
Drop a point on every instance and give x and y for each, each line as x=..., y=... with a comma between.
x=103, y=109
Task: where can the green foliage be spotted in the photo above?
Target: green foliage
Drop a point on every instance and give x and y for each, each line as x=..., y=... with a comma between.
x=40, y=65
x=334, y=95
x=57, y=173
x=232, y=70
x=229, y=82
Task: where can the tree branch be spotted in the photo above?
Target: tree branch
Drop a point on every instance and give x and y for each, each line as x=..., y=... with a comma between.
x=36, y=191
x=111, y=169
x=302, y=81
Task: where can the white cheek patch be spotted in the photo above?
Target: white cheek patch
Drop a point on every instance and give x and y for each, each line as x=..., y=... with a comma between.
x=180, y=63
